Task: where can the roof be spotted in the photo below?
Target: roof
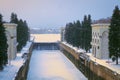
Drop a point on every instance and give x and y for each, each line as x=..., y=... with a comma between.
x=10, y=24
x=100, y=24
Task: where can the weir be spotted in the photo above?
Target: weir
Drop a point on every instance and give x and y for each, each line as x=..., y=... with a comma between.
x=46, y=46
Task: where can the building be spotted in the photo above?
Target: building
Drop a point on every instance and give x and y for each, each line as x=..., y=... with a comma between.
x=100, y=41
x=11, y=40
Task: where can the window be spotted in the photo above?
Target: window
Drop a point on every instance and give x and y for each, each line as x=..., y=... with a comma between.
x=98, y=47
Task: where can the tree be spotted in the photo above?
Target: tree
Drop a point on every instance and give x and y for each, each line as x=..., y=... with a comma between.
x=84, y=34
x=69, y=33
x=3, y=45
x=22, y=34
x=79, y=34
x=114, y=35
x=14, y=18
x=22, y=31
x=89, y=34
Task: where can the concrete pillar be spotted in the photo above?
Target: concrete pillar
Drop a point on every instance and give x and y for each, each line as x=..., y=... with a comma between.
x=11, y=40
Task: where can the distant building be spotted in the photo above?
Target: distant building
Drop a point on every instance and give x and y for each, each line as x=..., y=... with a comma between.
x=11, y=40
x=100, y=41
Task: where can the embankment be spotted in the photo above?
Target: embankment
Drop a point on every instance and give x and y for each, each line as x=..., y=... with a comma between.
x=22, y=73
x=90, y=68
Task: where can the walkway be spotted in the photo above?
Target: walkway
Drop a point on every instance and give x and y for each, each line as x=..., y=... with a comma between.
x=52, y=65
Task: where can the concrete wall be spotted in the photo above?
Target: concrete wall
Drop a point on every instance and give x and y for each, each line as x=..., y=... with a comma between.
x=72, y=51
x=22, y=73
x=89, y=68
x=11, y=29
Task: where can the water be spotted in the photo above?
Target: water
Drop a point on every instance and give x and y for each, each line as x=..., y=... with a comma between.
x=52, y=65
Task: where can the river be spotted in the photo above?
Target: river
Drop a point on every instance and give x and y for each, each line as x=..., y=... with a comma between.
x=52, y=65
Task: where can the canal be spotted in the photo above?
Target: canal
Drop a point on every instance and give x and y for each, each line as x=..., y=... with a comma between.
x=49, y=64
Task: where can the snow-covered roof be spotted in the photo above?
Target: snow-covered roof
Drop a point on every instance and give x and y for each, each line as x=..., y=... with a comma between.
x=10, y=24
x=100, y=24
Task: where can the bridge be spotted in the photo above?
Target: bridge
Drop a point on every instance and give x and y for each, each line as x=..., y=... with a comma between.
x=48, y=63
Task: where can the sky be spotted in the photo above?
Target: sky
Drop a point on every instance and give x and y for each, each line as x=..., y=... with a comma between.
x=56, y=13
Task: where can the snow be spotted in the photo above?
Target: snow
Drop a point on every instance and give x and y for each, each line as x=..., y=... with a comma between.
x=11, y=69
x=25, y=49
x=52, y=65
x=32, y=38
x=105, y=62
x=46, y=38
x=79, y=50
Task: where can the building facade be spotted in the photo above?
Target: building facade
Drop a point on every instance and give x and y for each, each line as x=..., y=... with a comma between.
x=11, y=40
x=100, y=41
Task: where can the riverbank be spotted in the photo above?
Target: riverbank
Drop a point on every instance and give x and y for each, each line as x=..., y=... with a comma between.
x=17, y=69
x=93, y=68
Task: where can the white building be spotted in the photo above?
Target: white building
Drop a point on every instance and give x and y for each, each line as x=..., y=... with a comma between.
x=100, y=41
x=11, y=40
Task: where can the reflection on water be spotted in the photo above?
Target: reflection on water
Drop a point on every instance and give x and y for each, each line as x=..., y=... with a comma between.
x=52, y=65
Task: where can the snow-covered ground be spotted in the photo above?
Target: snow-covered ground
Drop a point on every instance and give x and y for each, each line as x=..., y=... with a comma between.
x=52, y=65
x=11, y=69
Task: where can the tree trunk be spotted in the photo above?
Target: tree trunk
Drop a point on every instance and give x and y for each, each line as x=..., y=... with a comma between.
x=116, y=60
x=1, y=67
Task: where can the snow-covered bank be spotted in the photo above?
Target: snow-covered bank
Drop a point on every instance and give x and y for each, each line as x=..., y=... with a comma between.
x=75, y=48
x=10, y=71
x=107, y=63
x=52, y=65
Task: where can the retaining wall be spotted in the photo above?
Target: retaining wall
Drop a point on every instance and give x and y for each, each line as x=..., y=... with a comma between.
x=22, y=73
x=91, y=69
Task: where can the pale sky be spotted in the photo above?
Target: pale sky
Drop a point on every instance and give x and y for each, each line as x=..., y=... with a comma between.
x=56, y=13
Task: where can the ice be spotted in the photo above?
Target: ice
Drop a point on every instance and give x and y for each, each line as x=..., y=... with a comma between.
x=52, y=65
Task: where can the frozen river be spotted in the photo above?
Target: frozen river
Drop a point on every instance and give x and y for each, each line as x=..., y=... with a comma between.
x=52, y=65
